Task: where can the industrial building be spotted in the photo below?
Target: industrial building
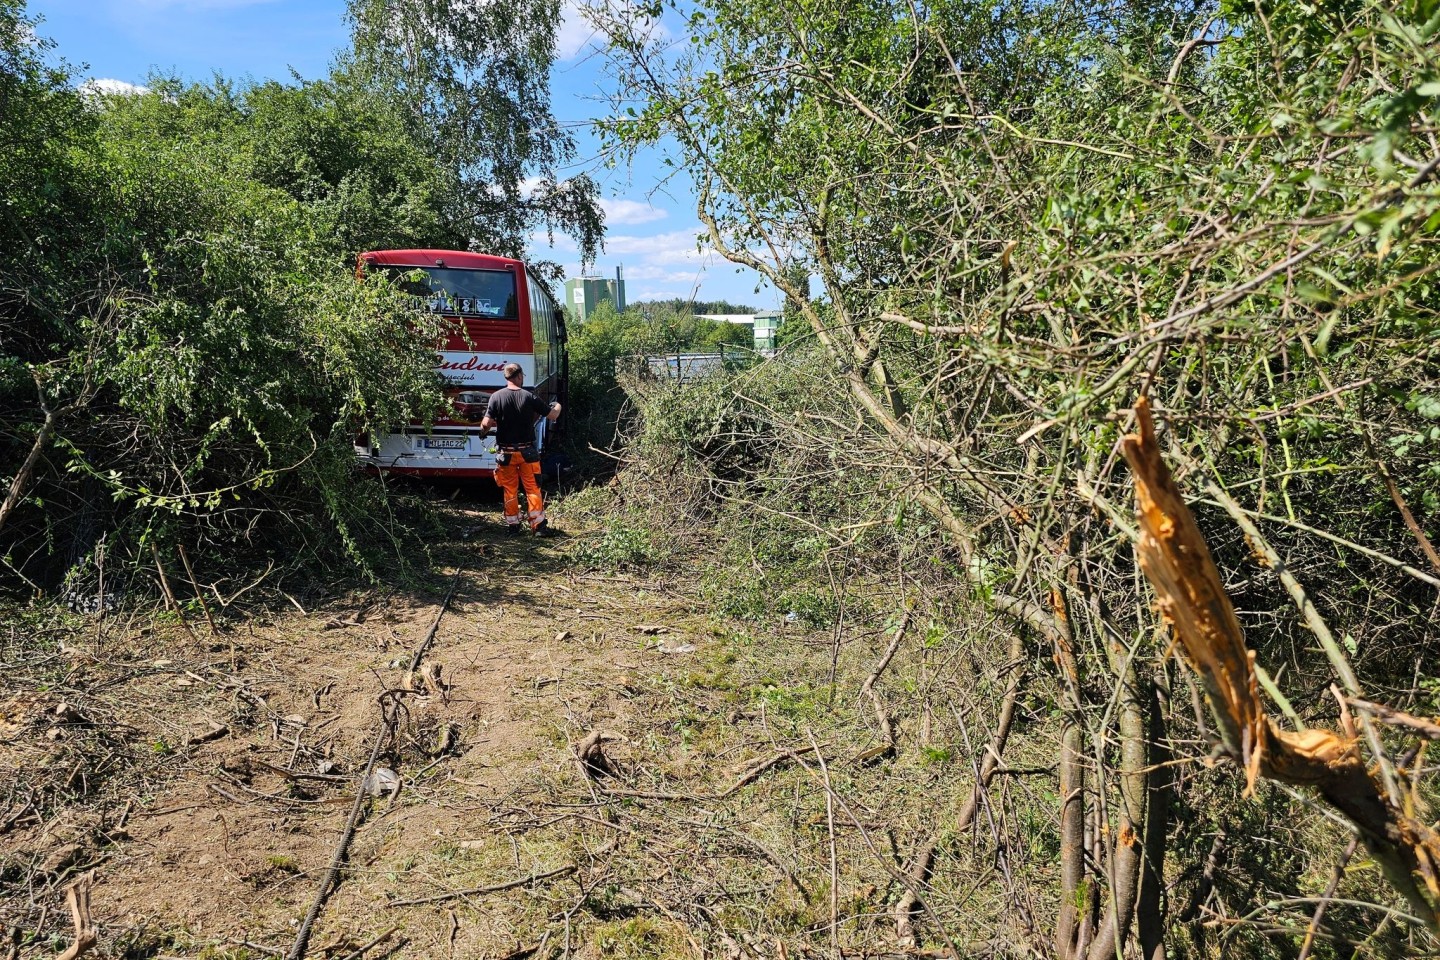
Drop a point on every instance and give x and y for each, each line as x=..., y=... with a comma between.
x=767, y=325
x=584, y=294
x=763, y=326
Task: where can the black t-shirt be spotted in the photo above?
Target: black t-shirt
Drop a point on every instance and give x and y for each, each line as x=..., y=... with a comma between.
x=515, y=412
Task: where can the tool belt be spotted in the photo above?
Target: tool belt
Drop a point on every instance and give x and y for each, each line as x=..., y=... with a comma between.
x=529, y=453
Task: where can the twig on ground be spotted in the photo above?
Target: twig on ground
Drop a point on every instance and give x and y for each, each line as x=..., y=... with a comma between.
x=921, y=862
x=830, y=832
x=361, y=951
x=170, y=600
x=1330, y=889
x=480, y=891
x=748, y=775
x=867, y=689
x=195, y=585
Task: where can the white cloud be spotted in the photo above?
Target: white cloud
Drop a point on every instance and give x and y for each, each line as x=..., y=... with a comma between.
x=658, y=267
x=578, y=34
x=105, y=86
x=194, y=5
x=621, y=212
x=654, y=274
x=676, y=246
x=658, y=293
x=575, y=34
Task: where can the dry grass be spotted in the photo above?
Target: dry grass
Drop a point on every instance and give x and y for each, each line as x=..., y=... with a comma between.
x=203, y=844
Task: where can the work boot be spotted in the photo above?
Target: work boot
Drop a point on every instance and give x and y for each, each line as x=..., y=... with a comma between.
x=543, y=529
x=512, y=530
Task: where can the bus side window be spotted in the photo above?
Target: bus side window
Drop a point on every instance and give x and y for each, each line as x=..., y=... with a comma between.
x=535, y=331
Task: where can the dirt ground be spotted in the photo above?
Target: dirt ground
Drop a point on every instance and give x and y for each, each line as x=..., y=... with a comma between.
x=206, y=780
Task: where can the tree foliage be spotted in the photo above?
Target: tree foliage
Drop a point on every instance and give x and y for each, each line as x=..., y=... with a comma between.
x=472, y=82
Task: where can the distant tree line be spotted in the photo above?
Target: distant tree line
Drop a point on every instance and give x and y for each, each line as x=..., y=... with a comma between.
x=681, y=306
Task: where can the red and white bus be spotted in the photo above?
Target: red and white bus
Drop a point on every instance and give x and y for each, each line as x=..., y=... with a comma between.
x=499, y=312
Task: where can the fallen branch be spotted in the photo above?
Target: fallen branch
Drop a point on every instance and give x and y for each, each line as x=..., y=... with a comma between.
x=15, y=495
x=747, y=776
x=424, y=646
x=752, y=772
x=26, y=812
x=1325, y=898
x=1192, y=598
x=1411, y=524
x=361, y=951
x=867, y=689
x=77, y=895
x=1428, y=729
x=169, y=594
x=302, y=937
x=921, y=862
x=195, y=585
x=481, y=891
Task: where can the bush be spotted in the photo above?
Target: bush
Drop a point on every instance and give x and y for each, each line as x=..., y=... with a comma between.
x=181, y=299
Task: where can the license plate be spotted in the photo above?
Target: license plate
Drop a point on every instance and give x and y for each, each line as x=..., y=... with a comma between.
x=442, y=443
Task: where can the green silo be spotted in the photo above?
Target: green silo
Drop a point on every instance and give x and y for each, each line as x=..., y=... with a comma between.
x=584, y=294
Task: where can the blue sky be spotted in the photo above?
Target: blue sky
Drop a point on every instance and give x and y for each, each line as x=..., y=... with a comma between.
x=651, y=224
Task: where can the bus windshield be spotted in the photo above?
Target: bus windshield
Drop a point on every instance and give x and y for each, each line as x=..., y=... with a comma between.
x=450, y=290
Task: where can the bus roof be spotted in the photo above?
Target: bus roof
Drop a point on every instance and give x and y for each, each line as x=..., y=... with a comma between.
x=431, y=258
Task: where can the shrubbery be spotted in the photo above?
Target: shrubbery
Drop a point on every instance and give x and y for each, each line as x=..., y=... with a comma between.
x=185, y=353
x=1023, y=216
x=609, y=336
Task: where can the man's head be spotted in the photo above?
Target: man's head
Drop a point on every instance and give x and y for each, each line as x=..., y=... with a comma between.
x=514, y=373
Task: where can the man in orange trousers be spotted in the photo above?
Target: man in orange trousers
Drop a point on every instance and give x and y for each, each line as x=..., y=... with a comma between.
x=512, y=413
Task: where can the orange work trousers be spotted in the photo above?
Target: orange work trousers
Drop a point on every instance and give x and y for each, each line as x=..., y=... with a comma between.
x=510, y=476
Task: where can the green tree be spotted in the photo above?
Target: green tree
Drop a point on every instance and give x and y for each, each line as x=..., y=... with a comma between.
x=186, y=353
x=472, y=81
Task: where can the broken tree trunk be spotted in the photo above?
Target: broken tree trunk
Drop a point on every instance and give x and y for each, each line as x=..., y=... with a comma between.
x=1177, y=562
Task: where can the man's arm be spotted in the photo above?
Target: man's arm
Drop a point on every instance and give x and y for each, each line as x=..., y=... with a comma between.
x=488, y=422
x=550, y=411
